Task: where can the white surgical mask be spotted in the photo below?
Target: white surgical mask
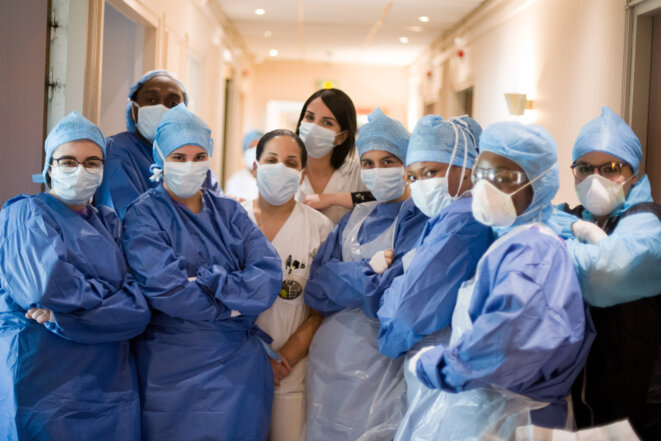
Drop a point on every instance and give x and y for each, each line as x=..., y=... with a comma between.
x=318, y=140
x=432, y=195
x=386, y=184
x=277, y=183
x=149, y=117
x=600, y=196
x=493, y=207
x=185, y=178
x=77, y=187
x=249, y=156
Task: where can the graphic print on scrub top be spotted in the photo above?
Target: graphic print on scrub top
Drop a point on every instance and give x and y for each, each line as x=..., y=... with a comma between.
x=295, y=275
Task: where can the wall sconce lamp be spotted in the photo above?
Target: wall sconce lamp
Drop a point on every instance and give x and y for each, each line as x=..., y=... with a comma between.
x=517, y=103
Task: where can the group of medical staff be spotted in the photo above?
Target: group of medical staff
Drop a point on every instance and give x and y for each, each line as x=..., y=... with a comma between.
x=376, y=285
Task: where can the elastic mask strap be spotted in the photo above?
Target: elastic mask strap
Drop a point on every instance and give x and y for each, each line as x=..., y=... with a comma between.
x=463, y=167
x=530, y=183
x=454, y=154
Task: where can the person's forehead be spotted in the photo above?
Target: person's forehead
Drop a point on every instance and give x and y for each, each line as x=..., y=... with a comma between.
x=598, y=157
x=283, y=146
x=421, y=166
x=488, y=159
x=161, y=84
x=79, y=147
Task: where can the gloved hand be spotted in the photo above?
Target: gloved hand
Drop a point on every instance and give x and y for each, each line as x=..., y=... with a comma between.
x=587, y=232
x=413, y=363
x=381, y=261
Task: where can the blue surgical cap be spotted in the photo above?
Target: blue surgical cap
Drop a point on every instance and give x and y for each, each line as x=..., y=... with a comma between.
x=130, y=125
x=250, y=137
x=533, y=149
x=433, y=139
x=72, y=127
x=473, y=127
x=608, y=133
x=383, y=133
x=179, y=127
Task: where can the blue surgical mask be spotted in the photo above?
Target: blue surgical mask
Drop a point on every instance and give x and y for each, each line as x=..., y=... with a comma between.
x=277, y=183
x=318, y=140
x=77, y=187
x=149, y=117
x=386, y=184
x=185, y=178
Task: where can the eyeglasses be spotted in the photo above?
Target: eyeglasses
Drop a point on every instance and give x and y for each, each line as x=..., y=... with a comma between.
x=69, y=165
x=499, y=176
x=609, y=170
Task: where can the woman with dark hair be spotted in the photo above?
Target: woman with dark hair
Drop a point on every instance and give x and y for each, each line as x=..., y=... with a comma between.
x=327, y=126
x=296, y=231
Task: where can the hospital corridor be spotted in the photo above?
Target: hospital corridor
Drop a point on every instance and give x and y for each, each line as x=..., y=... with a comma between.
x=346, y=220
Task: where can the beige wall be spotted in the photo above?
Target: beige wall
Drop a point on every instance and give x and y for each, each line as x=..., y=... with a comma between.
x=567, y=55
x=178, y=31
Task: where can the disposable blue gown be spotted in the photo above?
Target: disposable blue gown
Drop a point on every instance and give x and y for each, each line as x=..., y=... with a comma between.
x=202, y=369
x=624, y=266
x=74, y=378
x=126, y=172
x=529, y=331
x=354, y=392
x=420, y=302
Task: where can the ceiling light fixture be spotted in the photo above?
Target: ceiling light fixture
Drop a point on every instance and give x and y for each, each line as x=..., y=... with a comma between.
x=260, y=11
x=273, y=53
x=403, y=40
x=268, y=34
x=424, y=19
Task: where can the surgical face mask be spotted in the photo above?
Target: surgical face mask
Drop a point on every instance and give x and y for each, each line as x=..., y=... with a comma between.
x=277, y=183
x=149, y=117
x=77, y=187
x=493, y=207
x=431, y=195
x=318, y=140
x=185, y=178
x=249, y=156
x=600, y=196
x=386, y=184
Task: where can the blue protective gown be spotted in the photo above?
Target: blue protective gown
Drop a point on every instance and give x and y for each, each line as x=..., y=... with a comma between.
x=335, y=284
x=202, y=369
x=420, y=302
x=353, y=391
x=126, y=172
x=529, y=331
x=624, y=266
x=74, y=378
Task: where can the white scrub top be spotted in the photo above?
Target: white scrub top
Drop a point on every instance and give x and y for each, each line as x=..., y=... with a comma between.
x=297, y=243
x=243, y=185
x=344, y=179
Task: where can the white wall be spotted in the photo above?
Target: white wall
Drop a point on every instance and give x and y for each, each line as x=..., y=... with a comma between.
x=567, y=55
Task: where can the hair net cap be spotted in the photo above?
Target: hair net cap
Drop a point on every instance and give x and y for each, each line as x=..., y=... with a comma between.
x=72, y=127
x=250, y=137
x=533, y=149
x=608, y=133
x=434, y=139
x=383, y=133
x=130, y=125
x=179, y=127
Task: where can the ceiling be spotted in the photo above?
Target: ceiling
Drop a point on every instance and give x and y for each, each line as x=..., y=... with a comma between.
x=343, y=31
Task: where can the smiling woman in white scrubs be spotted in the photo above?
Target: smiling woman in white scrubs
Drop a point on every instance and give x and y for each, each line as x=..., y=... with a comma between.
x=296, y=231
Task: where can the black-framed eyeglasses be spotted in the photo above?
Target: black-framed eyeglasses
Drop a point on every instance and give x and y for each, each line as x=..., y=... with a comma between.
x=499, y=176
x=69, y=165
x=610, y=170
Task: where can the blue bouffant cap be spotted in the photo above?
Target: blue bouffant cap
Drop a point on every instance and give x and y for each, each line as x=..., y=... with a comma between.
x=434, y=139
x=179, y=127
x=608, y=133
x=250, y=137
x=383, y=133
x=72, y=127
x=130, y=125
x=533, y=149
